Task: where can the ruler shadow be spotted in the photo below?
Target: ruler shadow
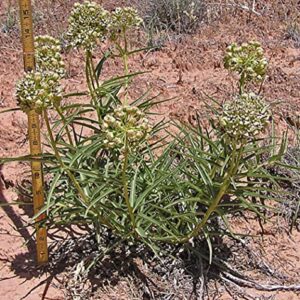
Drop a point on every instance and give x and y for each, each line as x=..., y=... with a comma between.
x=15, y=217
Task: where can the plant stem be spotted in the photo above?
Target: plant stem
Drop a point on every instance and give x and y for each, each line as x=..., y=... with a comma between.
x=125, y=185
x=90, y=77
x=68, y=172
x=242, y=83
x=59, y=111
x=92, y=69
x=63, y=166
x=222, y=191
x=125, y=62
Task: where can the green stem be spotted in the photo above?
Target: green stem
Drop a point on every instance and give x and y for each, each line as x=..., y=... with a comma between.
x=125, y=60
x=222, y=191
x=125, y=185
x=63, y=166
x=68, y=172
x=88, y=74
x=93, y=70
x=124, y=54
x=59, y=111
x=242, y=83
x=90, y=77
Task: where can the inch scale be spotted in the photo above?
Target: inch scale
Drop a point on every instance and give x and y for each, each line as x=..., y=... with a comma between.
x=34, y=133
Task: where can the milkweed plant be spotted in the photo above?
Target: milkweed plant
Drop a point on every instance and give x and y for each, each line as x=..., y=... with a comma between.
x=106, y=172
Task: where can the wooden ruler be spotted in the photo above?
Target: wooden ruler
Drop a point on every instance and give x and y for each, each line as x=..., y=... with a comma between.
x=34, y=133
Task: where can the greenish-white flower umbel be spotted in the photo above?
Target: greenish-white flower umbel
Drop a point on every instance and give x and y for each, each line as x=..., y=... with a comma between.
x=126, y=125
x=38, y=91
x=48, y=55
x=88, y=23
x=247, y=60
x=244, y=117
x=123, y=18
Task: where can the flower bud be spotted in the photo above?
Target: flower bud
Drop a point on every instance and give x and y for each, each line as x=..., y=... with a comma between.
x=247, y=60
x=127, y=126
x=122, y=19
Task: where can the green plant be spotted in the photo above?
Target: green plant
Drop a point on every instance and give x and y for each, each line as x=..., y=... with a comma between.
x=105, y=173
x=118, y=133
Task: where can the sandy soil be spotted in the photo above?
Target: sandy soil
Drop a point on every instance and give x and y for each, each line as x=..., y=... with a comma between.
x=187, y=68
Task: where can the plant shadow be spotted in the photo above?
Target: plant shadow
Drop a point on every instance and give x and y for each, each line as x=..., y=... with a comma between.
x=24, y=264
x=180, y=270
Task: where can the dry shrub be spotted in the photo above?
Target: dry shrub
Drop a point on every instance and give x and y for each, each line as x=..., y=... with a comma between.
x=180, y=16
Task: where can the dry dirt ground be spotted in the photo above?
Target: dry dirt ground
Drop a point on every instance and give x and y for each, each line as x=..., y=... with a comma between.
x=186, y=67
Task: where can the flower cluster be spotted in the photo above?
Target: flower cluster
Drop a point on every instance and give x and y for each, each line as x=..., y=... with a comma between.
x=247, y=60
x=41, y=89
x=38, y=91
x=244, y=117
x=88, y=22
x=48, y=56
x=123, y=19
x=125, y=126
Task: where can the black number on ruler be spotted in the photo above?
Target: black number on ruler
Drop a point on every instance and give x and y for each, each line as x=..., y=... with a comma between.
x=36, y=175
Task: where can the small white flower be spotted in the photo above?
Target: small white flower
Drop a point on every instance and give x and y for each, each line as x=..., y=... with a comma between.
x=130, y=133
x=110, y=136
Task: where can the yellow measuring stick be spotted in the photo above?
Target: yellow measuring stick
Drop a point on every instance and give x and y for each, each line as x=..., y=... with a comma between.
x=34, y=132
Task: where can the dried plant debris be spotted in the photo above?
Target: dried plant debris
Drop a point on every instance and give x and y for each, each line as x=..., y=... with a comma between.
x=179, y=273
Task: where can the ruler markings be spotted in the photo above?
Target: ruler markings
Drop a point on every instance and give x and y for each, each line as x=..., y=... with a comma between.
x=34, y=133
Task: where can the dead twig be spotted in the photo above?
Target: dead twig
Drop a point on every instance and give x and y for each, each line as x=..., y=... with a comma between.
x=258, y=286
